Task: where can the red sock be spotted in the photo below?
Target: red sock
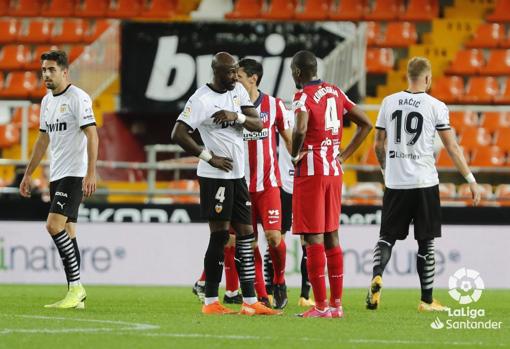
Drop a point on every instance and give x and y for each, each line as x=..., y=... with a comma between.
x=231, y=277
x=316, y=263
x=336, y=275
x=202, y=277
x=278, y=257
x=260, y=285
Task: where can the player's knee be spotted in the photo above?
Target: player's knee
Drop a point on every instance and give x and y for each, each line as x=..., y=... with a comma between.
x=54, y=227
x=274, y=237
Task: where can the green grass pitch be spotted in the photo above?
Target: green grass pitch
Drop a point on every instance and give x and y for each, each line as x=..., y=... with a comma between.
x=169, y=317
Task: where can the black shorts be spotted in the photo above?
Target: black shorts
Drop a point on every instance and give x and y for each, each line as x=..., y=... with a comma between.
x=225, y=200
x=286, y=199
x=403, y=206
x=66, y=195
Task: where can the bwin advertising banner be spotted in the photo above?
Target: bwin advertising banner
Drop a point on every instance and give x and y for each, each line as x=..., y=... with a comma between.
x=164, y=63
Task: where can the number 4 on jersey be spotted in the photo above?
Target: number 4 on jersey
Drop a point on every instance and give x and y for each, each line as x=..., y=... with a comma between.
x=331, y=117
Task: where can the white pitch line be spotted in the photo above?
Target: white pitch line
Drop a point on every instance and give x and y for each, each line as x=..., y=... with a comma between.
x=127, y=326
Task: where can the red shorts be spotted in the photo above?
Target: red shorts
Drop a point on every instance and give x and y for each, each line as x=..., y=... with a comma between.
x=266, y=208
x=316, y=204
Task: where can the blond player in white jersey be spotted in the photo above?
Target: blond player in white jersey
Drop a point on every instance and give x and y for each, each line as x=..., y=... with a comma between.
x=404, y=141
x=68, y=126
x=220, y=111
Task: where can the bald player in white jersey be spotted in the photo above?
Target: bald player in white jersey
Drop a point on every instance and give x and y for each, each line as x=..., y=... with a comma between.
x=404, y=141
x=68, y=126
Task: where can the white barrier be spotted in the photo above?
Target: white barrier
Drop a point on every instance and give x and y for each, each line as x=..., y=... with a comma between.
x=172, y=254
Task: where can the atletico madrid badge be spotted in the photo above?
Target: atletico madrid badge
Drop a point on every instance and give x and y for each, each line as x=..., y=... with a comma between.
x=218, y=208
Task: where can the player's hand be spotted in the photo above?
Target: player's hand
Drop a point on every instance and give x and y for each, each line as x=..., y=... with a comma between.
x=301, y=155
x=223, y=115
x=89, y=185
x=24, y=187
x=476, y=193
x=340, y=159
x=222, y=163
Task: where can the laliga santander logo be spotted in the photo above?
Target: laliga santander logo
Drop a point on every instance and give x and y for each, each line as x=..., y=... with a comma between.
x=466, y=286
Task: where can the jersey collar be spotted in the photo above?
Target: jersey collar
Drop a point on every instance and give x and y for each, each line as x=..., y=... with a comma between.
x=312, y=82
x=215, y=90
x=259, y=99
x=61, y=93
x=414, y=93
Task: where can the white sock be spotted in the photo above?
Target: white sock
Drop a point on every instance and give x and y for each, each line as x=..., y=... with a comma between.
x=74, y=283
x=231, y=293
x=250, y=300
x=210, y=300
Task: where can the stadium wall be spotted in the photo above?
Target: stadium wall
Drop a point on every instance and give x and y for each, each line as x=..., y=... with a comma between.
x=172, y=254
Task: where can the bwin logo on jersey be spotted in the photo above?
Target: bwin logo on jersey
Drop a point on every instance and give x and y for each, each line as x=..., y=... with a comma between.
x=253, y=136
x=56, y=126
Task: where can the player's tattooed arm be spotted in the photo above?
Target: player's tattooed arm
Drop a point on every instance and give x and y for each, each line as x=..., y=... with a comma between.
x=41, y=144
x=181, y=136
x=380, y=147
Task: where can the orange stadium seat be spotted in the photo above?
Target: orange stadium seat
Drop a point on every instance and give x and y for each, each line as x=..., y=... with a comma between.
x=379, y=60
x=488, y=156
x=502, y=194
x=158, y=9
x=366, y=193
x=466, y=62
x=421, y=10
x=25, y=8
x=95, y=30
x=498, y=63
x=68, y=31
x=75, y=52
x=487, y=35
x=481, y=90
x=36, y=31
x=399, y=34
x=9, y=135
x=14, y=57
x=315, y=10
x=374, y=35
x=460, y=120
x=504, y=96
x=473, y=137
x=443, y=160
x=501, y=12
x=33, y=116
x=91, y=8
x=247, y=9
x=493, y=121
x=448, y=89
x=1, y=81
x=349, y=10
x=58, y=8
x=279, y=9
x=502, y=139
x=370, y=158
x=4, y=7
x=124, y=9
x=8, y=30
x=447, y=191
x=385, y=10
x=19, y=85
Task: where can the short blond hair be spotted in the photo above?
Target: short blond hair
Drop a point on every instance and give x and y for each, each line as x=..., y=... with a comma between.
x=417, y=66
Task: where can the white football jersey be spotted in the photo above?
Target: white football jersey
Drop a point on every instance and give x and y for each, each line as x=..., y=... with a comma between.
x=411, y=121
x=223, y=140
x=284, y=161
x=63, y=116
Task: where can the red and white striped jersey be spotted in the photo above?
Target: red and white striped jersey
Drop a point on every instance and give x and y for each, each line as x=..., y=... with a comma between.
x=326, y=105
x=262, y=161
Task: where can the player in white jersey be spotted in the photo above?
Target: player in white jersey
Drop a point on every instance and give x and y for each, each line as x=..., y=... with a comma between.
x=404, y=139
x=68, y=125
x=220, y=111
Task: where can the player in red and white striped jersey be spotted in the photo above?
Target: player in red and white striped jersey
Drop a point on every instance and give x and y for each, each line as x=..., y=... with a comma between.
x=320, y=109
x=263, y=176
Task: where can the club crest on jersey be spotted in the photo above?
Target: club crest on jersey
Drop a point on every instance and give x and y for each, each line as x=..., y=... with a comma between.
x=63, y=108
x=218, y=208
x=264, y=116
x=236, y=101
x=187, y=111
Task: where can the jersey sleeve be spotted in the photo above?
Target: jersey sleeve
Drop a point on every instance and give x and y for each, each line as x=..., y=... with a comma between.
x=381, y=118
x=83, y=111
x=42, y=120
x=193, y=114
x=282, y=116
x=348, y=104
x=443, y=118
x=244, y=97
x=299, y=102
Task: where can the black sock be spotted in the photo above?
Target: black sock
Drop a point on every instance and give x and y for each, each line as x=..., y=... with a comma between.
x=305, y=284
x=382, y=254
x=213, y=262
x=426, y=267
x=66, y=250
x=76, y=251
x=268, y=271
x=246, y=264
